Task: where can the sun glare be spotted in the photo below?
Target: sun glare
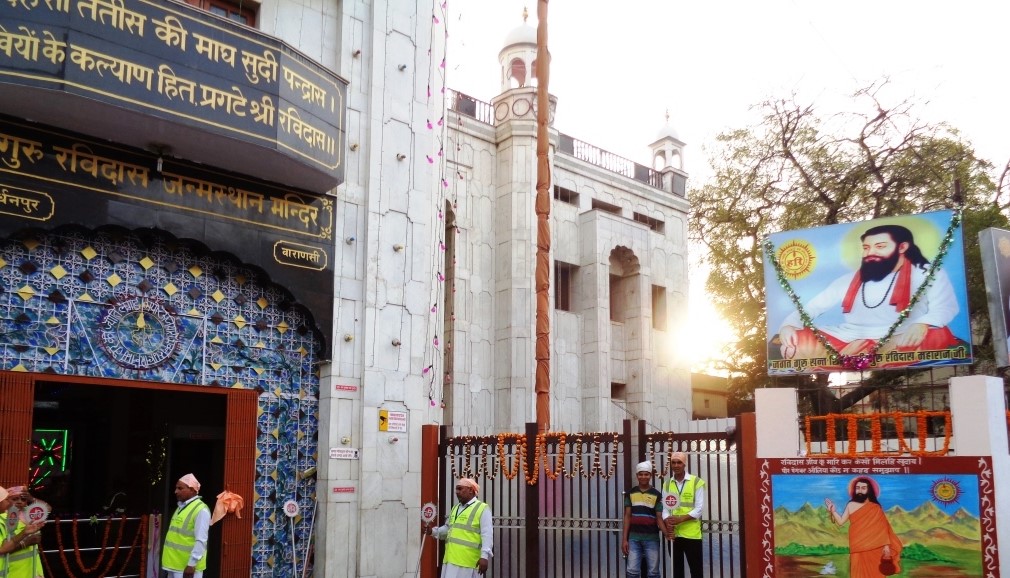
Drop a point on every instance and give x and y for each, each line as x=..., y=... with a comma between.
x=702, y=339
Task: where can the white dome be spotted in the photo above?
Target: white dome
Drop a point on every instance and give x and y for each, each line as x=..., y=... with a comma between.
x=522, y=34
x=667, y=132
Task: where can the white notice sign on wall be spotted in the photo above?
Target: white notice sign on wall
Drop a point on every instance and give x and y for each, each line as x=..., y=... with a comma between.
x=343, y=453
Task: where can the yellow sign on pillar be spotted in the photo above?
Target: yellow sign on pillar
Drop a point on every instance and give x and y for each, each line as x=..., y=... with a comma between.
x=383, y=420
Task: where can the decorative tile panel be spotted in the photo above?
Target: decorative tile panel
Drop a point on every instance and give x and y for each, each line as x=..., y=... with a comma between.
x=112, y=304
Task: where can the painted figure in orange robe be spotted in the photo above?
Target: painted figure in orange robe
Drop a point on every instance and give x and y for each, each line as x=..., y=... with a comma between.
x=870, y=535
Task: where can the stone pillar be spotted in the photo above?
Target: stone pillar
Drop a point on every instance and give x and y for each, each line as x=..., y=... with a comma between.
x=778, y=434
x=515, y=261
x=978, y=419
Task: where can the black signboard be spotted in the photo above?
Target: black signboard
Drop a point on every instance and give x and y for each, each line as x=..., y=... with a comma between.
x=50, y=178
x=180, y=64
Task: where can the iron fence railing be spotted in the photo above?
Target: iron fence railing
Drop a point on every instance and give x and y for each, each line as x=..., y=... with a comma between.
x=558, y=501
x=98, y=547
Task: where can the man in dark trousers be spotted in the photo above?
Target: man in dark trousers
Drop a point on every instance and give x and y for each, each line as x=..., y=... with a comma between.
x=643, y=519
x=683, y=502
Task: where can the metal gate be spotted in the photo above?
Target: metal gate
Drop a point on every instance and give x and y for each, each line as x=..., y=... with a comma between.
x=569, y=488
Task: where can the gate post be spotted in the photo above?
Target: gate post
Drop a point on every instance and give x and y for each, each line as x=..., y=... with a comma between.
x=430, y=466
x=532, y=508
x=750, y=502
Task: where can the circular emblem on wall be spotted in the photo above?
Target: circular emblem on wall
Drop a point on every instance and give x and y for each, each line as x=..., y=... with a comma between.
x=139, y=333
x=946, y=491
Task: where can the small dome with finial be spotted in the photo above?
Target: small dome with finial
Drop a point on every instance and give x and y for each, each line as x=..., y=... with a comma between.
x=667, y=131
x=522, y=34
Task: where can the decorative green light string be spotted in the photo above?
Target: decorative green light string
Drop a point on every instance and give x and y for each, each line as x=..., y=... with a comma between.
x=863, y=360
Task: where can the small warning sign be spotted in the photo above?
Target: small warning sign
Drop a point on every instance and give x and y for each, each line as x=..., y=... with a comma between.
x=395, y=421
x=343, y=453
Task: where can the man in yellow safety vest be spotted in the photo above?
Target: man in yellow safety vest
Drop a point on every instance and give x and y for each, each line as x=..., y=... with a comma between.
x=683, y=501
x=24, y=562
x=468, y=534
x=11, y=539
x=185, y=551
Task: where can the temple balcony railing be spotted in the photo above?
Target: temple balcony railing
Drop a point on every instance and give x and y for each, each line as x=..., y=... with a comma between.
x=667, y=180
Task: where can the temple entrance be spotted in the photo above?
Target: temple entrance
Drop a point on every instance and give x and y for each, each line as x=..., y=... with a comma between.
x=101, y=452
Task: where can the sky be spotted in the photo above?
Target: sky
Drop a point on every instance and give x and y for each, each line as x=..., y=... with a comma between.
x=618, y=67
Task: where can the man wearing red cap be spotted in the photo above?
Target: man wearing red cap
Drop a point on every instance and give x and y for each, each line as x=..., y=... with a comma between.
x=185, y=551
x=468, y=534
x=25, y=562
x=14, y=540
x=683, y=502
x=872, y=542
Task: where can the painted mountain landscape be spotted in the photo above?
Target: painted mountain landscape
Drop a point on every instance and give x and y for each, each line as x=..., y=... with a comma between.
x=935, y=543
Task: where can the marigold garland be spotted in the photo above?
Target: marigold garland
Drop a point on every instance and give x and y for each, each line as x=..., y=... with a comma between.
x=101, y=550
x=115, y=550
x=559, y=467
x=141, y=532
x=876, y=433
x=520, y=457
x=520, y=460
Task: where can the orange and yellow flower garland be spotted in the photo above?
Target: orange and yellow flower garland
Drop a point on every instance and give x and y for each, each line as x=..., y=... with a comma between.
x=876, y=433
x=464, y=448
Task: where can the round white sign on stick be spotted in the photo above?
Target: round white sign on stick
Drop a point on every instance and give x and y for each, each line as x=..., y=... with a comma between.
x=38, y=511
x=428, y=513
x=291, y=508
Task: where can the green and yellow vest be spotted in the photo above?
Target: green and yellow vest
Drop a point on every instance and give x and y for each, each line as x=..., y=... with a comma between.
x=181, y=538
x=23, y=563
x=462, y=545
x=685, y=503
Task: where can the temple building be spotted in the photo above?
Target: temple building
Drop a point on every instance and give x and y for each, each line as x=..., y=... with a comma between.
x=265, y=242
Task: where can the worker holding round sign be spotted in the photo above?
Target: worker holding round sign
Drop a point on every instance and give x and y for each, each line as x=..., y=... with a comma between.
x=23, y=513
x=683, y=501
x=468, y=534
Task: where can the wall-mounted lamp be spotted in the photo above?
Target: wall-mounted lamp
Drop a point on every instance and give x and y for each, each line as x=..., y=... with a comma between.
x=397, y=247
x=346, y=440
x=348, y=337
x=161, y=150
x=354, y=146
x=400, y=156
x=350, y=240
x=402, y=67
x=356, y=53
x=393, y=440
x=396, y=342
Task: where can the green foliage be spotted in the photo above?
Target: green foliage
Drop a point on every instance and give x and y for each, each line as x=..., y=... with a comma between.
x=795, y=549
x=921, y=553
x=796, y=169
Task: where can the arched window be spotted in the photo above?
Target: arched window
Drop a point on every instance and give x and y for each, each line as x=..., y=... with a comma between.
x=517, y=73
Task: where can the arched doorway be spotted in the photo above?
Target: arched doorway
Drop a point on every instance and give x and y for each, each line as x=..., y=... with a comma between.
x=155, y=357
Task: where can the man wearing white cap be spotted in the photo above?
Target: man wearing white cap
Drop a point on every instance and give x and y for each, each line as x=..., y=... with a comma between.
x=12, y=541
x=643, y=518
x=185, y=551
x=683, y=502
x=468, y=534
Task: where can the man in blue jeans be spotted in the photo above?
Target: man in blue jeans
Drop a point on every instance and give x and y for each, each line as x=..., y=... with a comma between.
x=643, y=518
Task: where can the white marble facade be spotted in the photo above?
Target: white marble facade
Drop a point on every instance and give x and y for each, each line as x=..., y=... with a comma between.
x=386, y=256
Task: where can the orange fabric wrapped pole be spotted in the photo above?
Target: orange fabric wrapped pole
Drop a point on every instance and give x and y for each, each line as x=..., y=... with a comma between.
x=543, y=210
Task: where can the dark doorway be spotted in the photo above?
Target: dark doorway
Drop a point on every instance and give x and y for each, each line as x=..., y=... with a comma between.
x=115, y=451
